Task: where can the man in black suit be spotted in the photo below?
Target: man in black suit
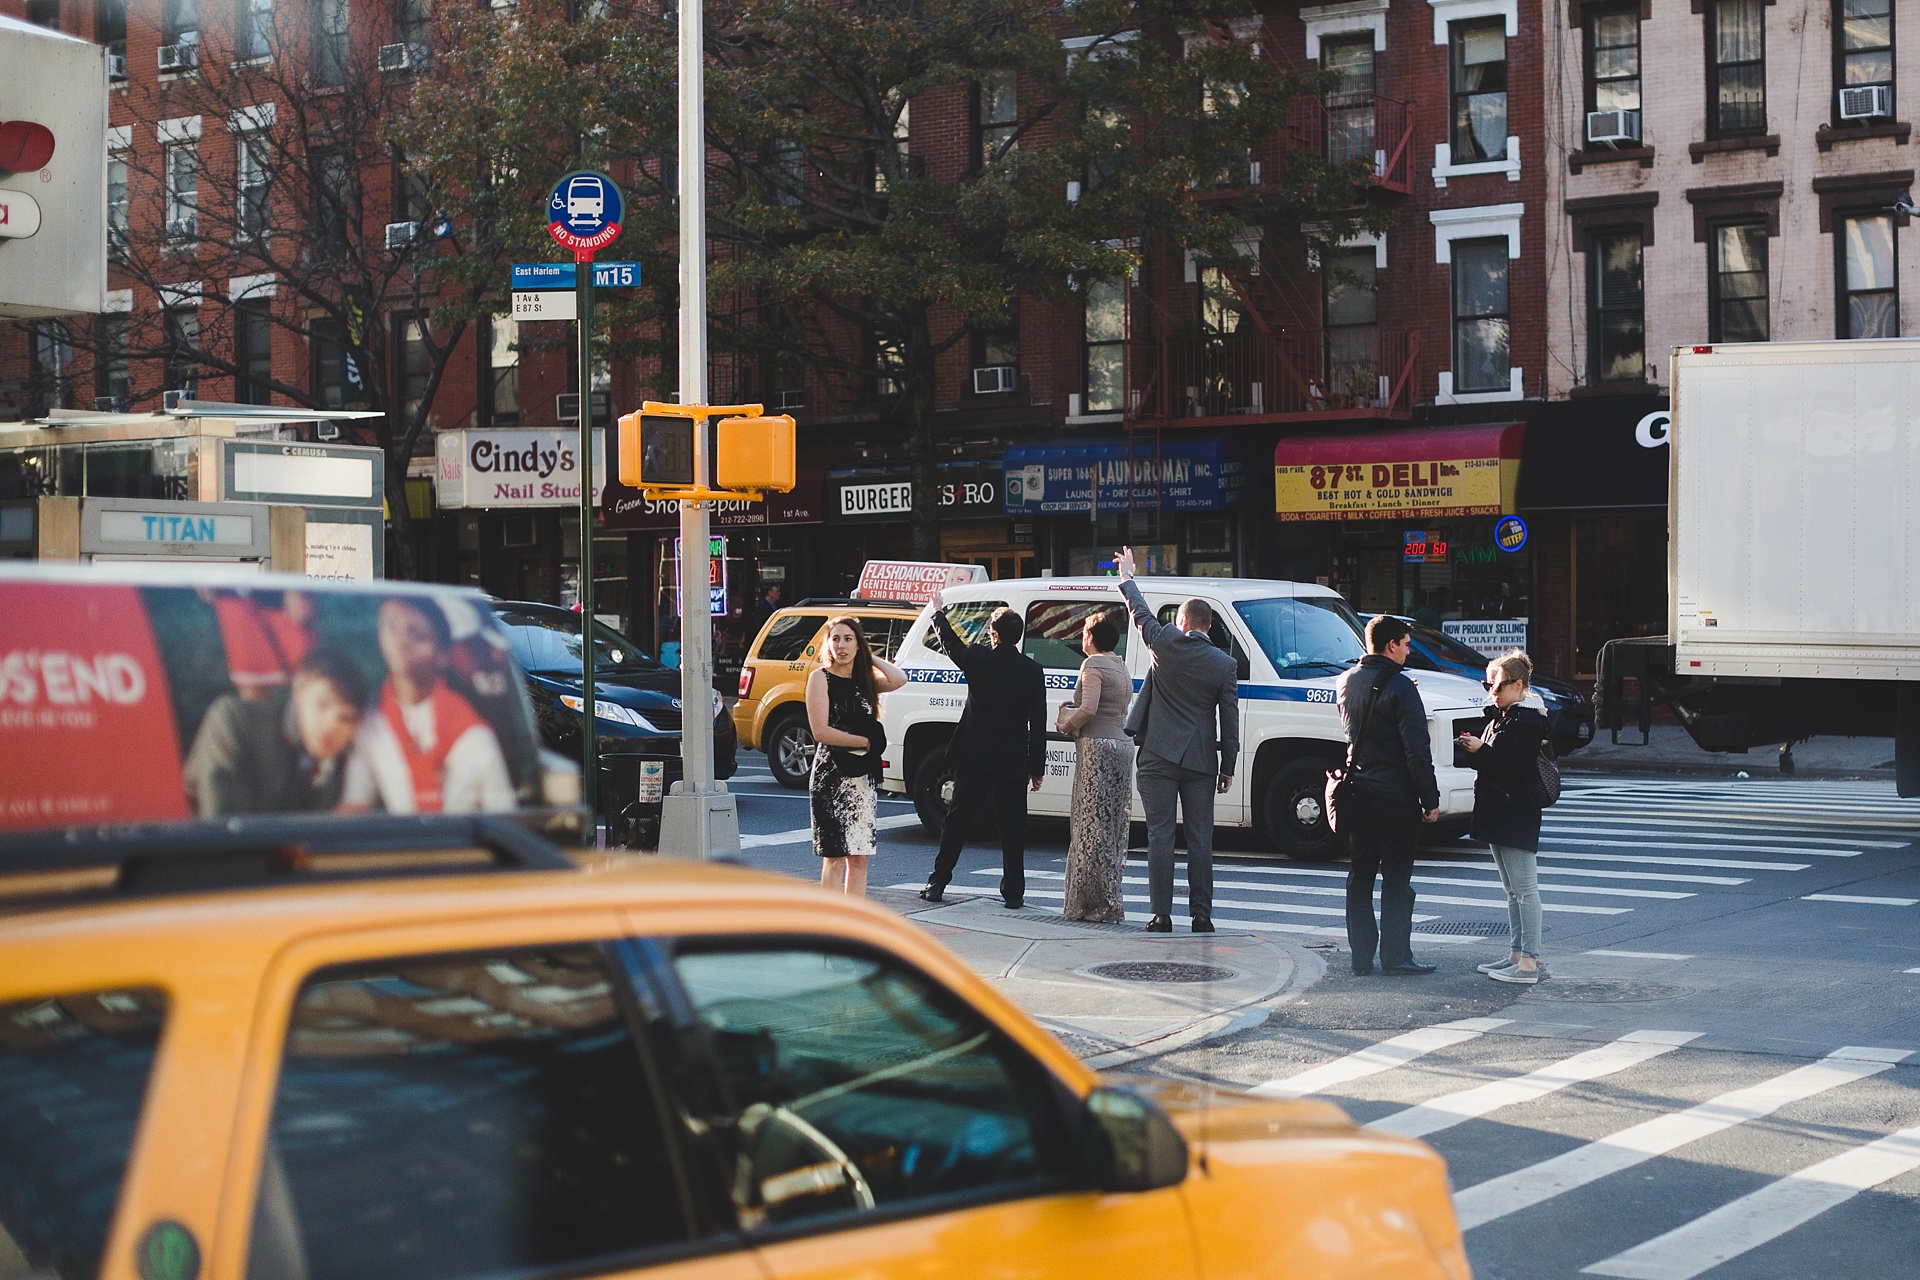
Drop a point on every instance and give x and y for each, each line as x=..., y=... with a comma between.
x=1006, y=711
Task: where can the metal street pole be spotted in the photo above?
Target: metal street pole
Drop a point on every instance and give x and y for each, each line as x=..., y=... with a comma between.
x=698, y=818
x=589, y=752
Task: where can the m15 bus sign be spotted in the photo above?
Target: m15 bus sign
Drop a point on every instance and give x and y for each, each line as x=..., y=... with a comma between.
x=583, y=213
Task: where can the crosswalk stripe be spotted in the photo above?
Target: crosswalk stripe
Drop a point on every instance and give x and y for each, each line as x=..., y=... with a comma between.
x=1853, y=897
x=804, y=835
x=1639, y=955
x=1766, y=1214
x=1595, y=873
x=1703, y=847
x=1445, y=1112
x=1620, y=829
x=1492, y=904
x=1377, y=1058
x=1522, y=1189
x=1556, y=887
x=1729, y=864
x=1483, y=863
x=1636, y=812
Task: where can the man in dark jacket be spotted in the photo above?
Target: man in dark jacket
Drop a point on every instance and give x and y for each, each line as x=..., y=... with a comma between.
x=1001, y=740
x=1394, y=790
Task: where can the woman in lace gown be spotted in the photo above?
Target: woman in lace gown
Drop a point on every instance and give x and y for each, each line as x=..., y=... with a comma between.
x=1102, y=776
x=843, y=699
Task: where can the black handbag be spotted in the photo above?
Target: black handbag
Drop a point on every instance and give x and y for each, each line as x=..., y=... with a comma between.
x=1340, y=778
x=1543, y=783
x=865, y=763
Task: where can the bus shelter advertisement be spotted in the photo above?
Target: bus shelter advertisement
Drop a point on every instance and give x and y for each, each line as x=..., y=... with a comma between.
x=121, y=703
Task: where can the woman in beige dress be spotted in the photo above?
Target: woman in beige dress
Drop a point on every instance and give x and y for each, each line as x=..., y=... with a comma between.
x=1102, y=776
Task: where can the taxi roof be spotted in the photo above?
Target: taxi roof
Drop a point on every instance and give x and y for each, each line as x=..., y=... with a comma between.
x=1216, y=588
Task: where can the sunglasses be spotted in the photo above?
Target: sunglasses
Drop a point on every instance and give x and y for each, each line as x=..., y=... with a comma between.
x=1491, y=685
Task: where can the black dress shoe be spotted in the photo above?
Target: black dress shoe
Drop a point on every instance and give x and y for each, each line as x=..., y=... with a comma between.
x=1412, y=969
x=1360, y=972
x=933, y=894
x=1160, y=924
x=1202, y=925
x=1013, y=906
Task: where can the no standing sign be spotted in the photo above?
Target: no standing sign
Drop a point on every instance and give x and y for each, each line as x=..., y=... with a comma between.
x=583, y=213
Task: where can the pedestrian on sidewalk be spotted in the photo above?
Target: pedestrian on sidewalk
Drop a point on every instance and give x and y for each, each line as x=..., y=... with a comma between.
x=1102, y=776
x=1000, y=742
x=1505, y=813
x=1394, y=790
x=1192, y=687
x=843, y=701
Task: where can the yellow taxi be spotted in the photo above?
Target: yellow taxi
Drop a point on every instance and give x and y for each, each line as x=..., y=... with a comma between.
x=771, y=715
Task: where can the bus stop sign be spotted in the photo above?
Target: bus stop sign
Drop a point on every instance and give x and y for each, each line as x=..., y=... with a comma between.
x=583, y=213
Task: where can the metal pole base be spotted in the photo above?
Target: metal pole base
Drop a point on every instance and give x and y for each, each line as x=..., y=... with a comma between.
x=699, y=826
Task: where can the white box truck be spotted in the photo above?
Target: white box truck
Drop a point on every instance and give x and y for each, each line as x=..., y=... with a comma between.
x=1793, y=551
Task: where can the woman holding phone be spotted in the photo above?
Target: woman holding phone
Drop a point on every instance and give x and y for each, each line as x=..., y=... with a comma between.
x=1505, y=814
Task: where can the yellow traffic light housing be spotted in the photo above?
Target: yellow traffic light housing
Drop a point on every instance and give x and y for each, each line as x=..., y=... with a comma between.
x=656, y=451
x=754, y=453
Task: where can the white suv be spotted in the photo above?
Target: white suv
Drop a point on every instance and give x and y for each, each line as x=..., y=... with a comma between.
x=1292, y=641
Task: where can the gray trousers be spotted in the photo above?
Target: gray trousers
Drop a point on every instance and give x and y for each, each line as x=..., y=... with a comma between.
x=1162, y=783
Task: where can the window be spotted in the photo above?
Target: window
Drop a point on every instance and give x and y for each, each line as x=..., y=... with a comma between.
x=1613, y=61
x=491, y=1114
x=1737, y=283
x=110, y=379
x=1106, y=345
x=903, y=157
x=416, y=369
x=181, y=326
x=50, y=361
x=790, y=166
x=74, y=1071
x=1869, y=300
x=180, y=21
x=1222, y=638
x=182, y=180
x=885, y=634
x=1352, y=310
x=999, y=343
x=337, y=382
x=1304, y=637
x=1054, y=628
x=327, y=68
x=890, y=367
x=1479, y=130
x=1107, y=133
x=1616, y=308
x=790, y=639
x=253, y=30
x=550, y=642
x=998, y=115
x=332, y=200
x=503, y=370
x=117, y=200
x=250, y=187
x=969, y=619
x=110, y=26
x=1737, y=68
x=409, y=191
x=1350, y=103
x=252, y=352
x=412, y=21
x=1863, y=31
x=844, y=1085
x=1481, y=359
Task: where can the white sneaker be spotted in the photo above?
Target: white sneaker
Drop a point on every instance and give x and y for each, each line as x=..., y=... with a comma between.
x=1491, y=965
x=1517, y=975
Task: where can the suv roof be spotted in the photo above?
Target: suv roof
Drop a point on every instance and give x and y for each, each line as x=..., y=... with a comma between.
x=1219, y=588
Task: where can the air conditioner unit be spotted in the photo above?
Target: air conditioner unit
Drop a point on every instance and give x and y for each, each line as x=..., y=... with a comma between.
x=995, y=378
x=326, y=431
x=1866, y=102
x=785, y=401
x=179, y=229
x=116, y=67
x=402, y=235
x=1613, y=127
x=403, y=57
x=184, y=56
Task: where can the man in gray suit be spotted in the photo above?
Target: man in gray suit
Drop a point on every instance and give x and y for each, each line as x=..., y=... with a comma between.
x=1192, y=687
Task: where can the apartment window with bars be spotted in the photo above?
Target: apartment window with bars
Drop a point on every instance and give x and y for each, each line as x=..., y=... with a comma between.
x=253, y=30
x=250, y=187
x=1350, y=102
x=1482, y=358
x=1869, y=280
x=181, y=330
x=1613, y=61
x=1737, y=68
x=1106, y=345
x=1863, y=39
x=1351, y=307
x=182, y=191
x=1479, y=91
x=1616, y=308
x=327, y=68
x=997, y=115
x=253, y=352
x=1737, y=282
x=110, y=377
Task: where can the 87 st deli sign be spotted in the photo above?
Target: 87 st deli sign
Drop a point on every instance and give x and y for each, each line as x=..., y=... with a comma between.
x=1371, y=490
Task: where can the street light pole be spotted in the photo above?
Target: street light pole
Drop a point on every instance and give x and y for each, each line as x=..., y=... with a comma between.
x=589, y=750
x=698, y=817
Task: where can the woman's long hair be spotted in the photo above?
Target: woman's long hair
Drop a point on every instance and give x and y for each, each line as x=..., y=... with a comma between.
x=862, y=659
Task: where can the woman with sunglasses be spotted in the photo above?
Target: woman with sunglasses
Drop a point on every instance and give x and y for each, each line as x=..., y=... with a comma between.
x=1505, y=814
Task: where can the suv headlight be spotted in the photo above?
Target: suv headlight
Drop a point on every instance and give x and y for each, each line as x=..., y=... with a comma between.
x=608, y=711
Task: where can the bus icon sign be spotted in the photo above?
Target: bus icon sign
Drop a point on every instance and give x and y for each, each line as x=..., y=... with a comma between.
x=583, y=213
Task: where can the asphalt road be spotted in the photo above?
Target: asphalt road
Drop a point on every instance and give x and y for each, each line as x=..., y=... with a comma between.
x=1720, y=1077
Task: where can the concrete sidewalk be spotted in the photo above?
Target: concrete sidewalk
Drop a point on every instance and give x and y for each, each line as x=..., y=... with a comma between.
x=1670, y=751
x=1114, y=993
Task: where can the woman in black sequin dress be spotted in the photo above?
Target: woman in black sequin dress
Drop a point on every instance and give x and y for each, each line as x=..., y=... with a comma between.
x=843, y=700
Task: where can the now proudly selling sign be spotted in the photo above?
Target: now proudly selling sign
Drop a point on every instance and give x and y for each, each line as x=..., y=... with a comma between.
x=517, y=467
x=1445, y=471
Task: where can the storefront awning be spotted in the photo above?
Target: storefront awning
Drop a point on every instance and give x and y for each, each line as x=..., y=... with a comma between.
x=1596, y=455
x=1381, y=475
x=1071, y=475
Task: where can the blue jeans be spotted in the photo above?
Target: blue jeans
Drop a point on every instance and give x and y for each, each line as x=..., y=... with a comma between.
x=1520, y=874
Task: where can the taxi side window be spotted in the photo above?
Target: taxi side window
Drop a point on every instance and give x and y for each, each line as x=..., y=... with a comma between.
x=850, y=1085
x=441, y=1118
x=1054, y=628
x=73, y=1075
x=787, y=639
x=969, y=618
x=1218, y=633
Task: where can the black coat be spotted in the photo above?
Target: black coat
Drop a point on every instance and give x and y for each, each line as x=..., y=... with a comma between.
x=1395, y=760
x=1504, y=811
x=1003, y=729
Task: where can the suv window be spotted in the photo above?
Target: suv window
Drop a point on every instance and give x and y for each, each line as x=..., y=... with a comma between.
x=1218, y=633
x=1304, y=636
x=969, y=618
x=450, y=1117
x=1054, y=628
x=787, y=639
x=885, y=634
x=73, y=1075
x=848, y=1084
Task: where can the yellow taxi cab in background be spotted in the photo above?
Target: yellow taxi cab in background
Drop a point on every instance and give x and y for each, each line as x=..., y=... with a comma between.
x=771, y=715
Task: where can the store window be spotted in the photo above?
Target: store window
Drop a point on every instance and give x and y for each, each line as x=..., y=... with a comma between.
x=1352, y=309
x=1737, y=68
x=1613, y=61
x=1349, y=60
x=1106, y=345
x=1863, y=40
x=1619, y=580
x=1479, y=130
x=1481, y=351
x=1869, y=293
x=1616, y=308
x=253, y=352
x=1737, y=282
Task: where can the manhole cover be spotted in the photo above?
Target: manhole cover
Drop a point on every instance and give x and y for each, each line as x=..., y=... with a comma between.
x=1466, y=928
x=1161, y=971
x=1605, y=991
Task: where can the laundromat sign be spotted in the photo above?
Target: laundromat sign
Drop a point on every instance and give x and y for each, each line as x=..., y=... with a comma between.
x=1461, y=471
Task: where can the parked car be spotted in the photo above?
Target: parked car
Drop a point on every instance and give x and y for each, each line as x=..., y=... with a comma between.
x=1569, y=712
x=771, y=714
x=637, y=713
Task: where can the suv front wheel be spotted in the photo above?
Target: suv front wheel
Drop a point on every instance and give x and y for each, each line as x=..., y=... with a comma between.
x=790, y=751
x=933, y=791
x=1294, y=812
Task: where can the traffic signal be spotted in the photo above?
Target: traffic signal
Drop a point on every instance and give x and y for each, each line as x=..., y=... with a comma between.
x=656, y=451
x=754, y=454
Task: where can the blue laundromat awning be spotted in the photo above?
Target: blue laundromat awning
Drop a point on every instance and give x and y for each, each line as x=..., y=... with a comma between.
x=1068, y=475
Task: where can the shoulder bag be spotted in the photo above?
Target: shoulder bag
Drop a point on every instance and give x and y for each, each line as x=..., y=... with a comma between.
x=1340, y=778
x=1543, y=784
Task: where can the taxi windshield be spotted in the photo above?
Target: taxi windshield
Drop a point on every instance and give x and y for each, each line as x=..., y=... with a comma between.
x=1304, y=637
